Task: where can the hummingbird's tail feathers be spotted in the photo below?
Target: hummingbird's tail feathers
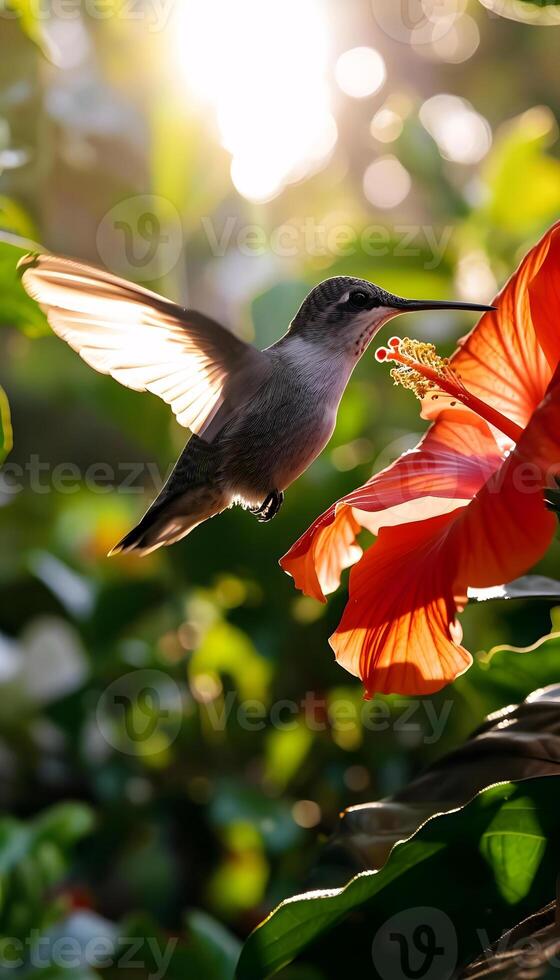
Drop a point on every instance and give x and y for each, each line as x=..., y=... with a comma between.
x=167, y=522
x=191, y=495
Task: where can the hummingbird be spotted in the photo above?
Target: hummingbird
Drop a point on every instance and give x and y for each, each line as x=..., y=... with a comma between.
x=257, y=418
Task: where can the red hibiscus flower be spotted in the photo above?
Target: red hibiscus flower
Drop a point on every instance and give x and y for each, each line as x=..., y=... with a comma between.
x=465, y=507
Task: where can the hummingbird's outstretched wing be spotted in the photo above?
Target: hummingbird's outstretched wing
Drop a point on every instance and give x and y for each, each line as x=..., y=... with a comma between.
x=143, y=340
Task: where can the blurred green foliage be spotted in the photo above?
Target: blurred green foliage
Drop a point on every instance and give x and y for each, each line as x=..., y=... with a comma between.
x=231, y=740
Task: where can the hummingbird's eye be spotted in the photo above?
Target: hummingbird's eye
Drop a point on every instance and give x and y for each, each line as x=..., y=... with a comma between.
x=360, y=300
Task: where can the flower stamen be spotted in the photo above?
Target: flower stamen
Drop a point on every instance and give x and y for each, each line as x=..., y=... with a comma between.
x=419, y=368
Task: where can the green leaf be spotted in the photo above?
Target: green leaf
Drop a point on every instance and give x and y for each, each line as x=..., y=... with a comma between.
x=208, y=951
x=64, y=823
x=17, y=309
x=15, y=840
x=515, y=743
x=15, y=219
x=6, y=435
x=504, y=845
x=526, y=587
x=539, y=12
x=29, y=16
x=32, y=861
x=214, y=949
x=519, y=169
x=514, y=856
x=509, y=674
x=226, y=649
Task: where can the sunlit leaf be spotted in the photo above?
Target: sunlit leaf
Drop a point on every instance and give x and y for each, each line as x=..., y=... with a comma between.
x=514, y=857
x=522, y=180
x=15, y=219
x=6, y=434
x=17, y=309
x=31, y=21
x=285, y=751
x=540, y=12
x=526, y=587
x=228, y=650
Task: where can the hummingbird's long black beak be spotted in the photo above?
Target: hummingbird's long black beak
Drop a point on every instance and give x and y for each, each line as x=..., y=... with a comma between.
x=410, y=305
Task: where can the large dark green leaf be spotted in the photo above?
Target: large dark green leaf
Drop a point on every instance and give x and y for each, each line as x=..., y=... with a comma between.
x=504, y=845
x=517, y=743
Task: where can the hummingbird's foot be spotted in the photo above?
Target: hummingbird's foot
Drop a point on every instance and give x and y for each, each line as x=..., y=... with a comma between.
x=270, y=507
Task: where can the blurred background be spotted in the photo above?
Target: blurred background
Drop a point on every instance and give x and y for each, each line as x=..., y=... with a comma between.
x=230, y=154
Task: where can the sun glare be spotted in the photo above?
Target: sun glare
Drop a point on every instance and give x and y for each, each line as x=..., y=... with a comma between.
x=261, y=66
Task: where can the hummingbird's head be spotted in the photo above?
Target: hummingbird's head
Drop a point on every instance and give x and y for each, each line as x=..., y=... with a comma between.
x=344, y=313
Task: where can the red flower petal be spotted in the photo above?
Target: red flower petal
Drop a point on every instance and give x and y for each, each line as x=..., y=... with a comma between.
x=317, y=559
x=450, y=464
x=502, y=360
x=398, y=631
x=544, y=297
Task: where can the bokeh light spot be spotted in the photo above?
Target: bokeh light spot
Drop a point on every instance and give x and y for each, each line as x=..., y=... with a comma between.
x=306, y=813
x=360, y=72
x=386, y=182
x=462, y=134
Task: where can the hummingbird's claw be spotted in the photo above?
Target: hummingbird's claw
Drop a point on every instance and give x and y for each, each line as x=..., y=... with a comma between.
x=270, y=507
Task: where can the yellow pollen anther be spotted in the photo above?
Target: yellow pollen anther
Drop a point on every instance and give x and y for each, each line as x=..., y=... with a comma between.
x=411, y=356
x=418, y=367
